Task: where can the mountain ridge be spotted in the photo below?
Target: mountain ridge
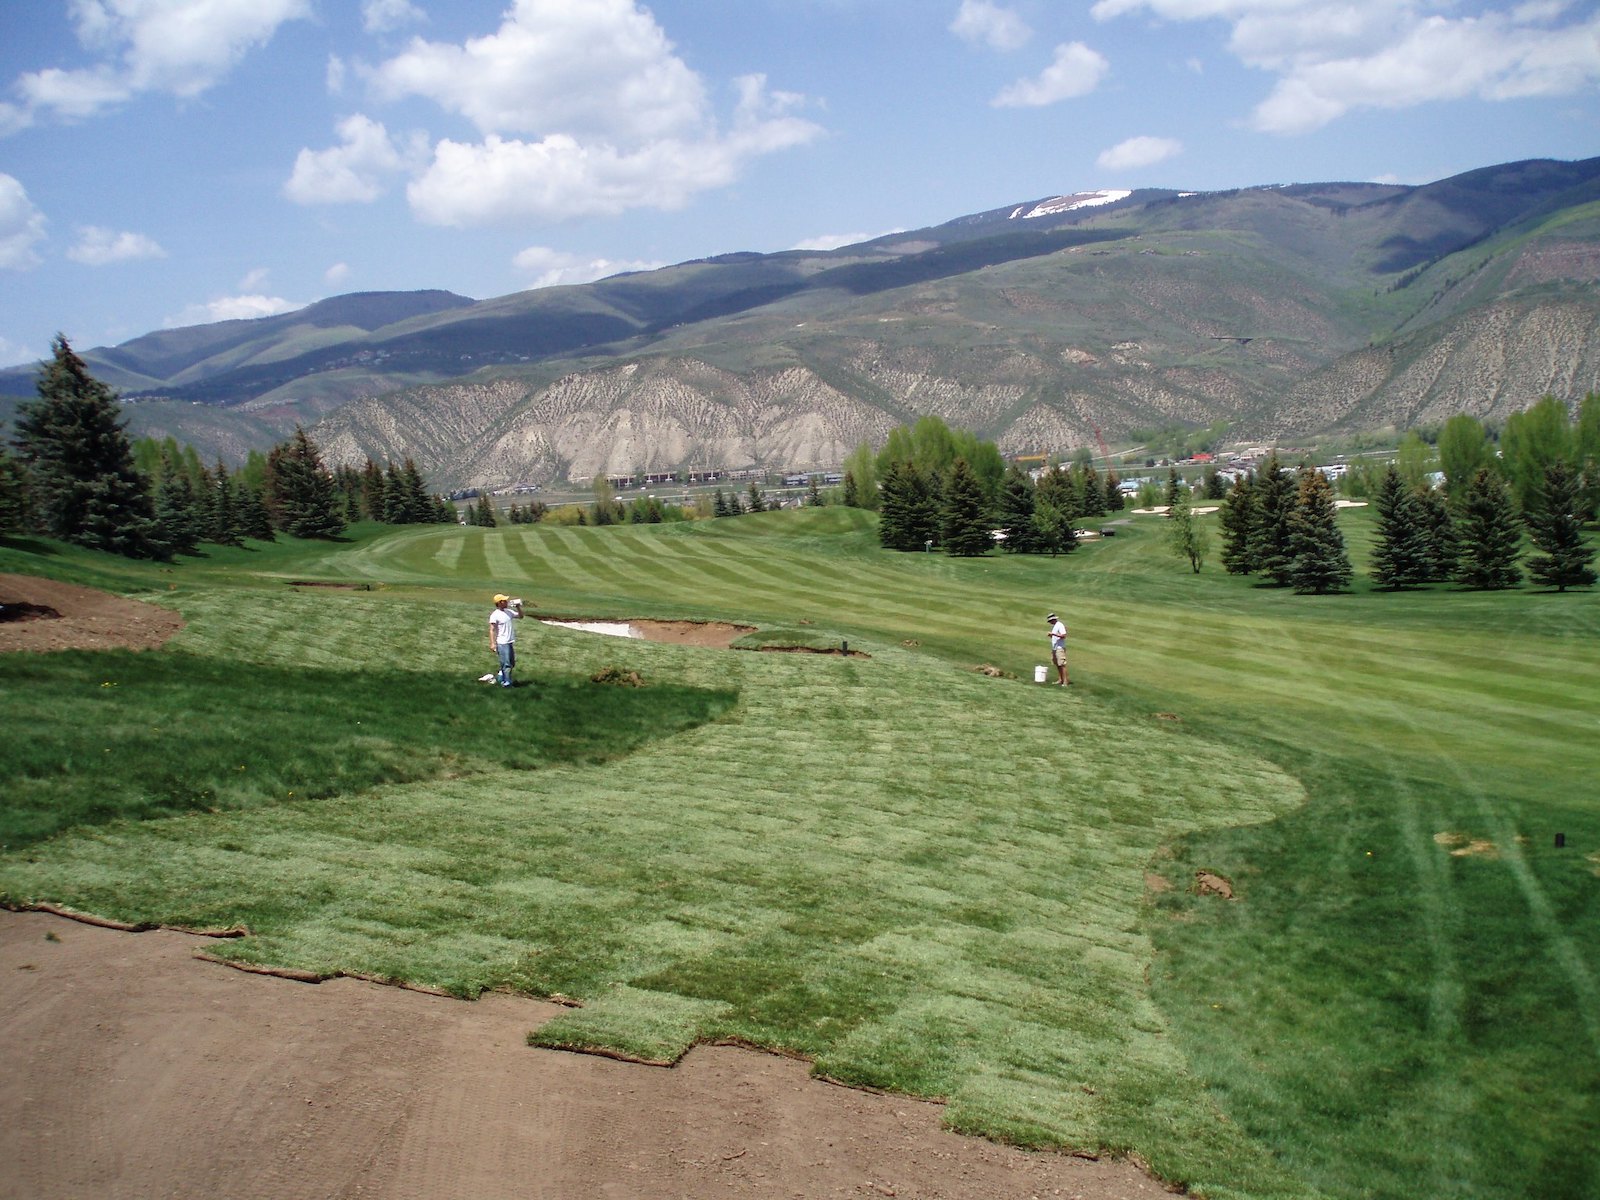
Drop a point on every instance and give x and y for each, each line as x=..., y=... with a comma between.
x=1283, y=310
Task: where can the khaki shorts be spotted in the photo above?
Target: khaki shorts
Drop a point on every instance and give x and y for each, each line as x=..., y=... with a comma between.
x=1058, y=655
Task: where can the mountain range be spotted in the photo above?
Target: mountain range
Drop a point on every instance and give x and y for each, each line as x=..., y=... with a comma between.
x=1284, y=310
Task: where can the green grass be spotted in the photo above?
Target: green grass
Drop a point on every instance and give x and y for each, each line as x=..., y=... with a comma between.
x=930, y=881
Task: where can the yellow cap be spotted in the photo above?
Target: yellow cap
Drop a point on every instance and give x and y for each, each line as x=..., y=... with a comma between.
x=500, y=599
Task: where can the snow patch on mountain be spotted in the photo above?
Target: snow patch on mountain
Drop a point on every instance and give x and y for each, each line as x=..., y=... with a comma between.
x=1060, y=204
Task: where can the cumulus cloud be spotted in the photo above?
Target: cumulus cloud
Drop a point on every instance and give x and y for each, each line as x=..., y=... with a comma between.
x=385, y=16
x=21, y=227
x=179, y=47
x=1330, y=60
x=554, y=268
x=979, y=21
x=1076, y=71
x=584, y=109
x=1138, y=152
x=337, y=273
x=98, y=246
x=231, y=308
x=833, y=241
x=358, y=170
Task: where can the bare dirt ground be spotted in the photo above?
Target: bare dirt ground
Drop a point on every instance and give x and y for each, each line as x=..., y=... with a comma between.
x=130, y=1067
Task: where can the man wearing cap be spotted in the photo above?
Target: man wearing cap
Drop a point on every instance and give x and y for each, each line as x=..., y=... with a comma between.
x=503, y=637
x=1058, y=648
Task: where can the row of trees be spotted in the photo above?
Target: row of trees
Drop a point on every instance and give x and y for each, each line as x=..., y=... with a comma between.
x=78, y=477
x=1280, y=525
x=933, y=486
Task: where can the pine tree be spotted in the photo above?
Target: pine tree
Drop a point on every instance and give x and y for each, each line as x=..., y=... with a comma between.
x=1400, y=551
x=852, y=495
x=1320, y=564
x=965, y=522
x=1275, y=501
x=1555, y=525
x=1238, y=521
x=179, y=521
x=1175, y=488
x=813, y=494
x=84, y=485
x=225, y=524
x=1491, y=538
x=719, y=504
x=1441, y=540
x=14, y=511
x=372, y=492
x=894, y=503
x=1016, y=511
x=756, y=501
x=486, y=515
x=300, y=493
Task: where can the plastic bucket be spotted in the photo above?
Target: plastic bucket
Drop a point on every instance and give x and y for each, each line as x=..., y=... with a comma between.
x=1038, y=674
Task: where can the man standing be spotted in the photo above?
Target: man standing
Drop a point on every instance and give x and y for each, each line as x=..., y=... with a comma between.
x=1058, y=648
x=503, y=636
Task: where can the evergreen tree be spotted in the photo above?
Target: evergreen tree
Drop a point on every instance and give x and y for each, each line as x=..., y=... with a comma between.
x=813, y=494
x=1216, y=487
x=1016, y=512
x=1400, y=550
x=300, y=493
x=14, y=512
x=486, y=514
x=1238, y=521
x=1113, y=488
x=719, y=504
x=852, y=494
x=1175, y=488
x=1441, y=542
x=894, y=507
x=1491, y=539
x=965, y=524
x=1053, y=533
x=1275, y=502
x=1320, y=564
x=1555, y=525
x=756, y=502
x=372, y=492
x=224, y=523
x=179, y=521
x=84, y=485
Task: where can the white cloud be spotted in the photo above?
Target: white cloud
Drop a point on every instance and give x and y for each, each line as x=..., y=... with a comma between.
x=561, y=177
x=1076, y=71
x=21, y=227
x=255, y=279
x=179, y=47
x=1138, y=152
x=994, y=26
x=356, y=171
x=833, y=241
x=1330, y=60
x=585, y=109
x=555, y=268
x=385, y=16
x=98, y=246
x=337, y=273
x=231, y=308
x=334, y=75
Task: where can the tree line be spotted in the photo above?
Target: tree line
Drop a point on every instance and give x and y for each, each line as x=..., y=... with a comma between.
x=937, y=487
x=76, y=476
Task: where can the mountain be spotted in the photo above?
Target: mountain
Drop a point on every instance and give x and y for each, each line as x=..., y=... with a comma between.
x=1283, y=310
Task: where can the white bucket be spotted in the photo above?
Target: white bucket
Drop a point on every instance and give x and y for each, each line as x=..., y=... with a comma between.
x=1038, y=674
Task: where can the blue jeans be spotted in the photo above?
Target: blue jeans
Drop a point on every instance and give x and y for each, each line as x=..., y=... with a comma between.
x=508, y=659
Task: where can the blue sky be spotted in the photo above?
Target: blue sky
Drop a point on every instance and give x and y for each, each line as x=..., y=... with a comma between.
x=174, y=162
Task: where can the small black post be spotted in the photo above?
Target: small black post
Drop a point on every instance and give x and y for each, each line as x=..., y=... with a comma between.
x=1561, y=840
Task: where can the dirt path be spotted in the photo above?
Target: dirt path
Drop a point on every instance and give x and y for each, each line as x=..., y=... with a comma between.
x=132, y=1068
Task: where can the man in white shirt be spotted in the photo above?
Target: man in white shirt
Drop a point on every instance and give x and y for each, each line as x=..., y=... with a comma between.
x=503, y=636
x=1058, y=648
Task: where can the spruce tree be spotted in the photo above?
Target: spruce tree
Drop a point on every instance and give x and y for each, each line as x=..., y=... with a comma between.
x=84, y=485
x=852, y=495
x=719, y=504
x=225, y=524
x=1016, y=511
x=1320, y=564
x=486, y=513
x=1275, y=502
x=1441, y=540
x=894, y=507
x=1400, y=550
x=755, y=502
x=965, y=522
x=1238, y=518
x=813, y=494
x=300, y=492
x=14, y=509
x=1491, y=537
x=1555, y=524
x=180, y=524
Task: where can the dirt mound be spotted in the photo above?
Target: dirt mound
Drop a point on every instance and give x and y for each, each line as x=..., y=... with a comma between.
x=137, y=1069
x=63, y=616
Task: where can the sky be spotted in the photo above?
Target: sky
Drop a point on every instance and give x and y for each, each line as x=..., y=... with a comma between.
x=175, y=162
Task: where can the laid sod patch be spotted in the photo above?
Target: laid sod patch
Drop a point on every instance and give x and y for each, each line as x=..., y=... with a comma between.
x=102, y=736
x=657, y=1028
